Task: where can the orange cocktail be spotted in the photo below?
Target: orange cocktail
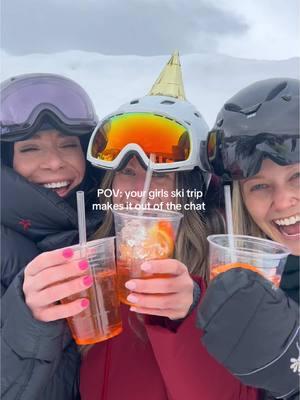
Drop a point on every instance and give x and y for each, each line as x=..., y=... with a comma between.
x=262, y=256
x=140, y=238
x=101, y=319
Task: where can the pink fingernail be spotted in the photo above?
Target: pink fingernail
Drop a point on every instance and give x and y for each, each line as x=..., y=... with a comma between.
x=146, y=266
x=87, y=280
x=132, y=299
x=68, y=253
x=84, y=303
x=83, y=264
x=130, y=285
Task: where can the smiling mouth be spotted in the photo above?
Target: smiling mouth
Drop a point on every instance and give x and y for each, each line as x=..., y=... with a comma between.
x=289, y=227
x=59, y=187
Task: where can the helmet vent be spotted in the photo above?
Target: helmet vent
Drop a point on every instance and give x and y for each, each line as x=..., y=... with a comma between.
x=232, y=107
x=134, y=101
x=251, y=111
x=286, y=98
x=277, y=89
x=197, y=114
x=187, y=122
x=220, y=122
x=167, y=102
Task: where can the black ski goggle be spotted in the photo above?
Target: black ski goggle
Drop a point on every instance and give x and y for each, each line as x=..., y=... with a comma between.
x=239, y=157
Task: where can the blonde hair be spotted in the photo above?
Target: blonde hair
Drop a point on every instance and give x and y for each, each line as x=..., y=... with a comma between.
x=243, y=223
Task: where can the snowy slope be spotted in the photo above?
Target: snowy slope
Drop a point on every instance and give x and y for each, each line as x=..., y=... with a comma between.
x=112, y=80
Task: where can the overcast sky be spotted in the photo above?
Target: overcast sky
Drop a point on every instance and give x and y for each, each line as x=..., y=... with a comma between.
x=259, y=29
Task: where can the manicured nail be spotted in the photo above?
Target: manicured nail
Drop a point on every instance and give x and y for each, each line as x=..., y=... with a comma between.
x=132, y=298
x=133, y=309
x=87, y=280
x=68, y=253
x=84, y=303
x=146, y=267
x=130, y=285
x=83, y=264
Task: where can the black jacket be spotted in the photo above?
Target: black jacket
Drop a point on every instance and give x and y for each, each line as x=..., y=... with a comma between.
x=290, y=279
x=252, y=328
x=33, y=220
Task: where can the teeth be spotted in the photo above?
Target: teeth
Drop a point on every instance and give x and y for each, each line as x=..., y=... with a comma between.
x=288, y=221
x=56, y=185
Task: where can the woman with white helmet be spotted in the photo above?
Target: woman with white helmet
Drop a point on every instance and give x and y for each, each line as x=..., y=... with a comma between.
x=157, y=357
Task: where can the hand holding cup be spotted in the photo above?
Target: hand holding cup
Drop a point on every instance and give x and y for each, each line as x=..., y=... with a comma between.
x=49, y=278
x=170, y=295
x=83, y=280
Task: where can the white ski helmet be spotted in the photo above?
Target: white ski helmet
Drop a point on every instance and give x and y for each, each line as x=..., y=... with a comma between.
x=166, y=103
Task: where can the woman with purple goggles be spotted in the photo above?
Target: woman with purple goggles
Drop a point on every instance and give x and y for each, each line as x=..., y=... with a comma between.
x=26, y=99
x=45, y=124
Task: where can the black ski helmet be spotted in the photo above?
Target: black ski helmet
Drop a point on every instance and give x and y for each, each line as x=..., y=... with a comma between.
x=260, y=121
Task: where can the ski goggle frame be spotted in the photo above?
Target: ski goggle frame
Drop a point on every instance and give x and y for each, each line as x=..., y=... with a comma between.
x=120, y=136
x=240, y=157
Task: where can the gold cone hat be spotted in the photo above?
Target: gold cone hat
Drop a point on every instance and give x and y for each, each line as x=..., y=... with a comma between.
x=169, y=82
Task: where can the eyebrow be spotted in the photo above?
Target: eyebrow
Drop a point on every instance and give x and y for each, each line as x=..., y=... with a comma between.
x=288, y=167
x=38, y=136
x=251, y=178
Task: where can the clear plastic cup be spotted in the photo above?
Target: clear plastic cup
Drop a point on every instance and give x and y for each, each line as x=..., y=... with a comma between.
x=139, y=238
x=101, y=320
x=262, y=256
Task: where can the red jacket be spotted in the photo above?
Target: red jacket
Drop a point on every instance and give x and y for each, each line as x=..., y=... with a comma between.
x=163, y=365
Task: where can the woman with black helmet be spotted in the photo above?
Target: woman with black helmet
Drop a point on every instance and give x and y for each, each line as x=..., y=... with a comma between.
x=255, y=144
x=46, y=122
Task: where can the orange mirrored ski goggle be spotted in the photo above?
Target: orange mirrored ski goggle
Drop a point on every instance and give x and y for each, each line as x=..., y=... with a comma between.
x=119, y=136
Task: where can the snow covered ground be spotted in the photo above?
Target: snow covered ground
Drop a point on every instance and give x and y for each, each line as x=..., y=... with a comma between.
x=112, y=80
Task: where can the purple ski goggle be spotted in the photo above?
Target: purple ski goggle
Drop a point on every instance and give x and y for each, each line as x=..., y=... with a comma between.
x=25, y=99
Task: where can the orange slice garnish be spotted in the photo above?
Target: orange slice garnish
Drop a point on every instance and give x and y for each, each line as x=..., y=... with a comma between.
x=162, y=234
x=159, y=244
x=167, y=227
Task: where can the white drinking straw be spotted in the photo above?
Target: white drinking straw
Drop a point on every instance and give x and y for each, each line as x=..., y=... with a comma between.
x=81, y=222
x=147, y=184
x=229, y=220
x=101, y=317
x=228, y=209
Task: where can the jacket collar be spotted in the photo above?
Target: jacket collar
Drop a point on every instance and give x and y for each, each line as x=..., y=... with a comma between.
x=39, y=213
